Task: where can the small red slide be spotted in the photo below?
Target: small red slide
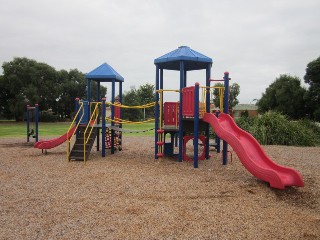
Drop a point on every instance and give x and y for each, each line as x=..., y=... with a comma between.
x=251, y=154
x=48, y=144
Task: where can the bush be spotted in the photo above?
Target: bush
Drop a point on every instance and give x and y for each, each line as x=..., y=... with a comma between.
x=313, y=127
x=244, y=113
x=46, y=116
x=275, y=129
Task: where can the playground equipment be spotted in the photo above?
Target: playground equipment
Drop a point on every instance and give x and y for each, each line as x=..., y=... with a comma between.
x=48, y=144
x=190, y=118
x=90, y=121
x=32, y=114
x=251, y=154
x=176, y=119
x=86, y=125
x=52, y=143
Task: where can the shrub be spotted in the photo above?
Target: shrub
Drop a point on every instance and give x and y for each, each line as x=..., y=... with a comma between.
x=46, y=116
x=244, y=113
x=272, y=128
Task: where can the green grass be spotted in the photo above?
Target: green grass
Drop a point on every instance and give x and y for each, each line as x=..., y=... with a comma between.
x=139, y=127
x=14, y=129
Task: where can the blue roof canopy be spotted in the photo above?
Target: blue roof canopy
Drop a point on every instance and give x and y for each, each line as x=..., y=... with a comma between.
x=193, y=60
x=104, y=73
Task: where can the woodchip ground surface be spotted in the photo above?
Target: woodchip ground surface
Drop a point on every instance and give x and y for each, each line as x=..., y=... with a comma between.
x=129, y=195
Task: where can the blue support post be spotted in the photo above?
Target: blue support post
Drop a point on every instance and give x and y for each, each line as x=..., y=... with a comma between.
x=120, y=100
x=182, y=82
x=28, y=123
x=226, y=111
x=89, y=97
x=103, y=127
x=112, y=114
x=98, y=120
x=176, y=139
x=162, y=134
x=98, y=91
x=156, y=122
x=196, y=126
x=161, y=79
x=207, y=132
x=217, y=138
x=37, y=120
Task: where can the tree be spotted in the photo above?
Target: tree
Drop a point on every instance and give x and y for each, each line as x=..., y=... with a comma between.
x=146, y=95
x=312, y=77
x=26, y=81
x=284, y=95
x=72, y=84
x=215, y=93
x=234, y=91
x=5, y=96
x=142, y=96
x=131, y=98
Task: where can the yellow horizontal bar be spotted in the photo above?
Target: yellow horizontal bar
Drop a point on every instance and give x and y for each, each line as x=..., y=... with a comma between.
x=167, y=90
x=212, y=87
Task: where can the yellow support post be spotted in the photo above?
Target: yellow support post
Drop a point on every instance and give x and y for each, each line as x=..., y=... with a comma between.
x=92, y=122
x=74, y=119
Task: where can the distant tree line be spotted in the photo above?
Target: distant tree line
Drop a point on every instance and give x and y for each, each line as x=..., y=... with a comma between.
x=26, y=81
x=287, y=96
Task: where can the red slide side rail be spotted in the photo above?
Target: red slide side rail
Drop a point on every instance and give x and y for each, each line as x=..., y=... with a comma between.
x=251, y=154
x=48, y=144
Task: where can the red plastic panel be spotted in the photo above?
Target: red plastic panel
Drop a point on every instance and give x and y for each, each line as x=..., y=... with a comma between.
x=171, y=113
x=188, y=101
x=117, y=111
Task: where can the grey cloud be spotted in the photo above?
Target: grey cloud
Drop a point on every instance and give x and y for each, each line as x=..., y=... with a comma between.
x=255, y=40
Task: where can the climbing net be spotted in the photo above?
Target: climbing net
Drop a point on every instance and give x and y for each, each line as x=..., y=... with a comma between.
x=118, y=129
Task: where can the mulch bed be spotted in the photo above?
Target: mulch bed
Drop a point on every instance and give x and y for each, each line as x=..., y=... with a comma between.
x=129, y=195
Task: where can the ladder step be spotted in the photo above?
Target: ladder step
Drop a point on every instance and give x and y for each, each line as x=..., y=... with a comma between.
x=77, y=152
x=76, y=158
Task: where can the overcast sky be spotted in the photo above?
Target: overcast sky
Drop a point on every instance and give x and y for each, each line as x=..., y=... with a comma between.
x=255, y=41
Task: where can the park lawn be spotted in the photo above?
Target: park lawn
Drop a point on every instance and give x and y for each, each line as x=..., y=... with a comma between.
x=19, y=129
x=139, y=128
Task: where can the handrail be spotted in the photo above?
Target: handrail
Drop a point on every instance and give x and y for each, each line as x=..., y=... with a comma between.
x=127, y=121
x=209, y=89
x=69, y=129
x=137, y=106
x=91, y=122
x=167, y=90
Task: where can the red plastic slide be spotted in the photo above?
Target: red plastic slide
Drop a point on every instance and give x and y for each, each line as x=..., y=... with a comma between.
x=251, y=154
x=47, y=144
